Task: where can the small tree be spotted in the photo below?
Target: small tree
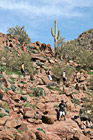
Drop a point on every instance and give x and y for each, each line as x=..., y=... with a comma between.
x=13, y=61
x=60, y=45
x=20, y=33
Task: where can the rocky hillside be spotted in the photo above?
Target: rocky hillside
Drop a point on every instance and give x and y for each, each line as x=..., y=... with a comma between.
x=29, y=106
x=86, y=39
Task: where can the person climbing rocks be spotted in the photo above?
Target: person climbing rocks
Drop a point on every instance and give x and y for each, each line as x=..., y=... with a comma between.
x=22, y=69
x=77, y=76
x=64, y=77
x=62, y=112
x=49, y=74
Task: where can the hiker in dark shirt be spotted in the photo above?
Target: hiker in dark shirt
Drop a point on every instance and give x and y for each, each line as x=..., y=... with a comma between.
x=62, y=110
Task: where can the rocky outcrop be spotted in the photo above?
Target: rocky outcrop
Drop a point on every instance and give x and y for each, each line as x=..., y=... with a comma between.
x=29, y=107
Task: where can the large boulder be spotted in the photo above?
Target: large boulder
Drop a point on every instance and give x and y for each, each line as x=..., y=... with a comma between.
x=13, y=122
x=80, y=136
x=82, y=78
x=41, y=135
x=49, y=119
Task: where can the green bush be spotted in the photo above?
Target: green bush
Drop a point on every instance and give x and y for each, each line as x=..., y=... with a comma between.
x=73, y=50
x=1, y=95
x=11, y=80
x=13, y=88
x=90, y=83
x=38, y=91
x=27, y=105
x=39, y=63
x=33, y=51
x=52, y=86
x=40, y=129
x=89, y=106
x=46, y=58
x=30, y=48
x=2, y=68
x=58, y=70
x=7, y=110
x=2, y=115
x=7, y=89
x=56, y=106
x=13, y=64
x=84, y=99
x=75, y=101
x=20, y=33
x=24, y=98
x=5, y=105
x=34, y=106
x=1, y=76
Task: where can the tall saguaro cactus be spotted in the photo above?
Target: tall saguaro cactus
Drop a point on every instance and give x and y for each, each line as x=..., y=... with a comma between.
x=55, y=35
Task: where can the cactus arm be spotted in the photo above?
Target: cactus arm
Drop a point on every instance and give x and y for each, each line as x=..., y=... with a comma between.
x=55, y=29
x=58, y=34
x=52, y=32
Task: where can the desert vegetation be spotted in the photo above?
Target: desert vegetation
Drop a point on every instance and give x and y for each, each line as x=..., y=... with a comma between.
x=12, y=62
x=20, y=33
x=77, y=51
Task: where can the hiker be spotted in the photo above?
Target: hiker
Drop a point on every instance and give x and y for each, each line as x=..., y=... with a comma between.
x=62, y=110
x=49, y=74
x=77, y=76
x=64, y=77
x=22, y=69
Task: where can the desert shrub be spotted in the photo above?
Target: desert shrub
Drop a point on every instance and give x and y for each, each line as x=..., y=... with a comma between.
x=89, y=107
x=30, y=48
x=38, y=91
x=2, y=68
x=13, y=62
x=1, y=76
x=18, y=91
x=75, y=101
x=26, y=59
x=24, y=98
x=11, y=80
x=88, y=103
x=72, y=50
x=45, y=68
x=53, y=86
x=90, y=83
x=13, y=88
x=33, y=51
x=34, y=106
x=39, y=63
x=27, y=105
x=56, y=106
x=58, y=70
x=7, y=89
x=40, y=129
x=46, y=58
x=5, y=105
x=75, y=92
x=7, y=110
x=20, y=33
x=8, y=58
x=84, y=99
x=2, y=115
x=1, y=95
x=89, y=72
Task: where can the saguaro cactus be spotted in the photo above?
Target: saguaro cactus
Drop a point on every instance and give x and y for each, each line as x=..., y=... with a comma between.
x=55, y=35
